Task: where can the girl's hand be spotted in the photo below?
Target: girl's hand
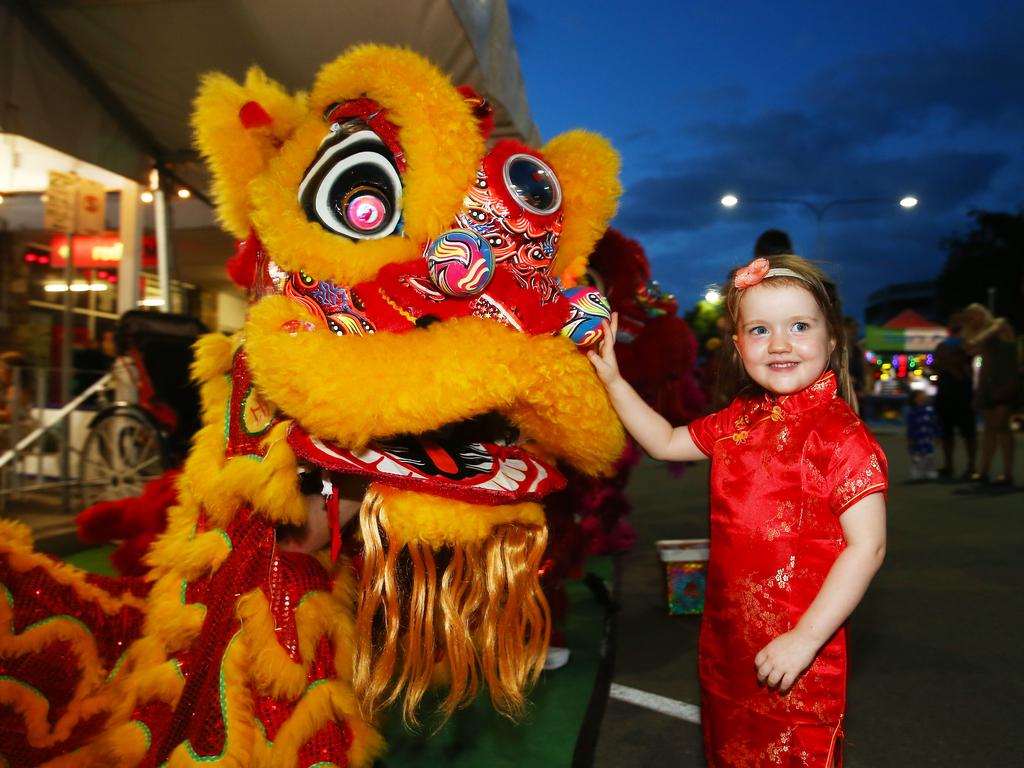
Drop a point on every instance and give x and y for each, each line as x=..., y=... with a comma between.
x=784, y=659
x=604, y=362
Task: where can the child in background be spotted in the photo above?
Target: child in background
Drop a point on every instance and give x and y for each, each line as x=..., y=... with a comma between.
x=922, y=429
x=797, y=516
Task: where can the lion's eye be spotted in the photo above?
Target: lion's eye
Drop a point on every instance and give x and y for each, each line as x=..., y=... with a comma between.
x=532, y=184
x=353, y=187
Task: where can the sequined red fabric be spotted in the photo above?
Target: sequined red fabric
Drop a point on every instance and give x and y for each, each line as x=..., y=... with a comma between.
x=53, y=670
x=285, y=578
x=782, y=473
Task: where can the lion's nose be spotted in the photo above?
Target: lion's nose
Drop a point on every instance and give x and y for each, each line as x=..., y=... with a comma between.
x=460, y=263
x=588, y=311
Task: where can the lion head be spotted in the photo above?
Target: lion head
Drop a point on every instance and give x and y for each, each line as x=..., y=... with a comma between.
x=409, y=327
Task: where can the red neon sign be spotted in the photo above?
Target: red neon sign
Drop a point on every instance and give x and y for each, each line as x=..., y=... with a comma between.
x=98, y=251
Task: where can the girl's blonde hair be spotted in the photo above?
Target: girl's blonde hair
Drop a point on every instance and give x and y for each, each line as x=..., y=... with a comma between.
x=733, y=379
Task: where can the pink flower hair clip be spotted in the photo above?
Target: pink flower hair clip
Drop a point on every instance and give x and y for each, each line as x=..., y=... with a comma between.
x=752, y=274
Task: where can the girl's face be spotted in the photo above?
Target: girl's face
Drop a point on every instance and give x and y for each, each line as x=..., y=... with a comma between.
x=782, y=337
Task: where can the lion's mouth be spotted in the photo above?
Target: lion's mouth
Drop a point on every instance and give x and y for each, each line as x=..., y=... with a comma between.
x=476, y=460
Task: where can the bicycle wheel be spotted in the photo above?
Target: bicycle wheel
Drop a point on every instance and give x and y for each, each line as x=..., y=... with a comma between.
x=123, y=451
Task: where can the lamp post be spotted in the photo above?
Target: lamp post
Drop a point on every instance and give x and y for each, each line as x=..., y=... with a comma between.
x=819, y=210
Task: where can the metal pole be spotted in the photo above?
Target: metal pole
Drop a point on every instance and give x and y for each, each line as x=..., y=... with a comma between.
x=66, y=359
x=992, y=299
x=131, y=241
x=163, y=255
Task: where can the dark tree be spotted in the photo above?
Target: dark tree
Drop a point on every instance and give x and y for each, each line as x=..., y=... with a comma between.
x=991, y=255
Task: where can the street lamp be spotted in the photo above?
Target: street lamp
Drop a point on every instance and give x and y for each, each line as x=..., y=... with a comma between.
x=818, y=210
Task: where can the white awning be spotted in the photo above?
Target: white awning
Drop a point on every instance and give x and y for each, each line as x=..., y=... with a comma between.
x=111, y=82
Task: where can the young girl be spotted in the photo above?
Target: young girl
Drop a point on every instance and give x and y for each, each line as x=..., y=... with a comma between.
x=797, y=517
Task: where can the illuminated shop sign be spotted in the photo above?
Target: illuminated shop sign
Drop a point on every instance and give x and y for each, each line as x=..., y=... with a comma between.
x=99, y=251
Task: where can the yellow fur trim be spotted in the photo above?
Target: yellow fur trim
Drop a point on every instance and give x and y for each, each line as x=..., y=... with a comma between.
x=34, y=710
x=439, y=521
x=15, y=535
x=222, y=486
x=236, y=710
x=36, y=637
x=323, y=702
x=273, y=670
x=176, y=623
x=123, y=746
x=235, y=154
x=159, y=682
x=88, y=698
x=16, y=543
x=297, y=243
x=449, y=371
x=269, y=486
x=588, y=169
x=211, y=368
x=344, y=630
x=173, y=544
x=439, y=136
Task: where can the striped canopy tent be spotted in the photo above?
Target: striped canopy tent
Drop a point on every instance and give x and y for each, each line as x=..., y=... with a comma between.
x=906, y=332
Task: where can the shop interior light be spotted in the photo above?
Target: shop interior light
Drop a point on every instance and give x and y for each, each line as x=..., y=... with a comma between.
x=75, y=287
x=146, y=197
x=184, y=193
x=151, y=303
x=44, y=259
x=44, y=198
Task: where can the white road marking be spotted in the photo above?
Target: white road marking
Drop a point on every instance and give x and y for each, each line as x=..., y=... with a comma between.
x=679, y=709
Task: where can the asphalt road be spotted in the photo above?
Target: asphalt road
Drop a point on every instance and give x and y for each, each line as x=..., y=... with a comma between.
x=936, y=646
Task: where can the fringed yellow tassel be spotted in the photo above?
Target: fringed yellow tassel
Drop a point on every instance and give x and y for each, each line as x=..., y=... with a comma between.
x=516, y=625
x=487, y=613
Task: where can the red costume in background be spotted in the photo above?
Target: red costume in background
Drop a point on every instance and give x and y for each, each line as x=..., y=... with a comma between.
x=783, y=471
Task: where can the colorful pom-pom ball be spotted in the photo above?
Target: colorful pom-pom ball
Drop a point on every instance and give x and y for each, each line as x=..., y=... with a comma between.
x=460, y=262
x=588, y=309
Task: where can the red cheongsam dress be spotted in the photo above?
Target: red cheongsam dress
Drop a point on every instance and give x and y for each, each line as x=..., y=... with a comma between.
x=782, y=472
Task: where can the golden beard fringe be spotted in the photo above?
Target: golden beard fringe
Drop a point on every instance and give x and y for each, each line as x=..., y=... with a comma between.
x=480, y=603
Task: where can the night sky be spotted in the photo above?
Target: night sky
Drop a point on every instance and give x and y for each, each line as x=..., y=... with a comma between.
x=816, y=101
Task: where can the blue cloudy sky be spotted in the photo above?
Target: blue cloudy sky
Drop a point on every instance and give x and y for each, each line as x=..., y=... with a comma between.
x=815, y=101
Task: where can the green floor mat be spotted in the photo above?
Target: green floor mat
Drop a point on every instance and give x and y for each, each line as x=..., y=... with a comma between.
x=478, y=737
x=93, y=560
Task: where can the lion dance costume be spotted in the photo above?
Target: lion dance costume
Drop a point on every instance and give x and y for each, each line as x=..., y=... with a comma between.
x=407, y=331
